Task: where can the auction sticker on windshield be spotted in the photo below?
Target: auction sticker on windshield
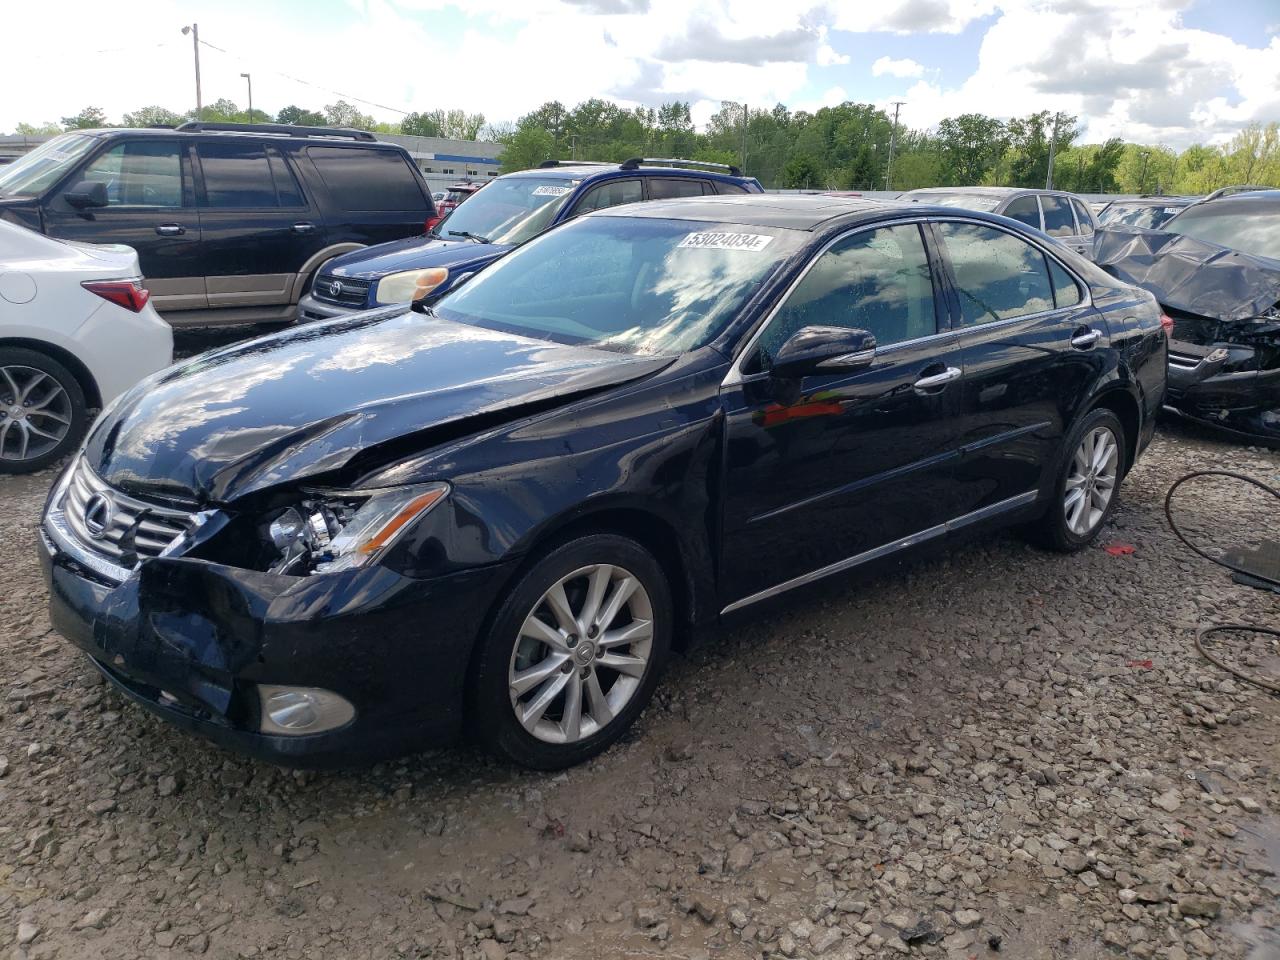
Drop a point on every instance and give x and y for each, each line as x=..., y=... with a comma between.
x=547, y=190
x=726, y=241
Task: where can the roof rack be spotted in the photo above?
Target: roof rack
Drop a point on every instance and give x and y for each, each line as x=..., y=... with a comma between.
x=575, y=163
x=278, y=129
x=1234, y=189
x=635, y=162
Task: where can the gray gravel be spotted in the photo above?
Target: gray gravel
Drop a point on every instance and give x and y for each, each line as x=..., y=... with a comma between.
x=968, y=753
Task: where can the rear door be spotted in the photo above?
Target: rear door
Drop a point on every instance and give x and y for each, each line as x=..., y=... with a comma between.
x=369, y=195
x=828, y=469
x=150, y=207
x=1032, y=347
x=257, y=226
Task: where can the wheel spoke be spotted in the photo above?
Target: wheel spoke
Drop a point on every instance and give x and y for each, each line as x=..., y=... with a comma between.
x=571, y=722
x=46, y=415
x=43, y=404
x=1074, y=482
x=1102, y=451
x=633, y=632
x=5, y=427
x=560, y=609
x=621, y=594
x=540, y=630
x=631, y=666
x=40, y=433
x=597, y=584
x=1075, y=513
x=526, y=680
x=536, y=707
x=1100, y=499
x=13, y=384
x=26, y=440
x=598, y=702
x=35, y=381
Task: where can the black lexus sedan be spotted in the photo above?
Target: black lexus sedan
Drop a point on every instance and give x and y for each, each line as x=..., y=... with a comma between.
x=369, y=535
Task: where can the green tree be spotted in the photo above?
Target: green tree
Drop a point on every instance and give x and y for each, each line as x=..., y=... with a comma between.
x=804, y=173
x=969, y=146
x=153, y=116
x=86, y=119
x=528, y=147
x=343, y=114
x=1145, y=169
x=300, y=117
x=420, y=125
x=45, y=129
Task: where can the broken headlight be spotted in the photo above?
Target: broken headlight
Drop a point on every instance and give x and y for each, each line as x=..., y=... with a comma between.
x=329, y=531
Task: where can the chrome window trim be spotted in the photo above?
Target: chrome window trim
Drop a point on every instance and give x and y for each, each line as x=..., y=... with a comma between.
x=884, y=550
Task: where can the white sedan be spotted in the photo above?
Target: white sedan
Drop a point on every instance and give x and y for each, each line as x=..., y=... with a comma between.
x=76, y=330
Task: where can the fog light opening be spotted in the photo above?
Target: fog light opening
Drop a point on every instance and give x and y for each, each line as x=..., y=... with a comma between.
x=300, y=711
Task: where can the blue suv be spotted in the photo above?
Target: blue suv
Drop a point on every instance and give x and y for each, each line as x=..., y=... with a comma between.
x=505, y=213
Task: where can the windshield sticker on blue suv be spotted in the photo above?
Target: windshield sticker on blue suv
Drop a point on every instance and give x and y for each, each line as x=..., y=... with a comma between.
x=726, y=241
x=546, y=190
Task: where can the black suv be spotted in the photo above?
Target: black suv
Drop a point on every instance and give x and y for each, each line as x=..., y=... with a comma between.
x=230, y=220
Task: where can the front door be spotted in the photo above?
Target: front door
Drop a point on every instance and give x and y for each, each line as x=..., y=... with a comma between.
x=828, y=469
x=1032, y=346
x=150, y=207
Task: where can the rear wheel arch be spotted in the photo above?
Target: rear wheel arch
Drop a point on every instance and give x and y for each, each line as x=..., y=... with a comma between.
x=88, y=385
x=1128, y=410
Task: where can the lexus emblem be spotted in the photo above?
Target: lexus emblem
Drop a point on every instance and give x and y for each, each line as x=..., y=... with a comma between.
x=335, y=289
x=97, y=516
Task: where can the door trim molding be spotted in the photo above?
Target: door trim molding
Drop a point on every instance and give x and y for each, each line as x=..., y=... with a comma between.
x=875, y=553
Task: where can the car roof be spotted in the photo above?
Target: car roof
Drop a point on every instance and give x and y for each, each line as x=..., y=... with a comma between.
x=1155, y=200
x=327, y=140
x=788, y=211
x=565, y=171
x=1243, y=202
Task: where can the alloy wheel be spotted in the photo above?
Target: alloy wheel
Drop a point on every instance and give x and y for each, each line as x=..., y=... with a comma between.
x=35, y=413
x=581, y=654
x=1091, y=480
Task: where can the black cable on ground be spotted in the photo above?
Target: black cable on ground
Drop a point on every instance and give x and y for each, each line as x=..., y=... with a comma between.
x=1168, y=514
x=1263, y=682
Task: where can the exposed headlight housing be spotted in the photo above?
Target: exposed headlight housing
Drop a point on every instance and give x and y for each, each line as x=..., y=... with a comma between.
x=335, y=530
x=409, y=285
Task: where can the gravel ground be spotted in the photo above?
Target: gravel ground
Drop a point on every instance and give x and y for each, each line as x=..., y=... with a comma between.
x=992, y=749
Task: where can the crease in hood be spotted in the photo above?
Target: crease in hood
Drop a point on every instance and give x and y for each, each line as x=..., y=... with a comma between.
x=1187, y=274
x=310, y=401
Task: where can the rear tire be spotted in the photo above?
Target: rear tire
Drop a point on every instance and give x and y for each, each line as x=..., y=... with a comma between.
x=1088, y=483
x=573, y=653
x=42, y=410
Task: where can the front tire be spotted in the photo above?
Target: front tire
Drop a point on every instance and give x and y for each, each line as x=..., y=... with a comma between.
x=42, y=410
x=573, y=654
x=1088, y=481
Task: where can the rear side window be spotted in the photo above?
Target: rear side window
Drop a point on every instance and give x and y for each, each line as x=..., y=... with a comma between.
x=236, y=175
x=1024, y=210
x=876, y=280
x=998, y=276
x=611, y=194
x=140, y=173
x=1058, y=221
x=1066, y=293
x=287, y=188
x=722, y=187
x=367, y=179
x=660, y=189
x=1082, y=215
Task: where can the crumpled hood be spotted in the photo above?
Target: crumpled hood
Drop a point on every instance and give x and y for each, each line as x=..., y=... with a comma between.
x=415, y=253
x=307, y=401
x=1191, y=275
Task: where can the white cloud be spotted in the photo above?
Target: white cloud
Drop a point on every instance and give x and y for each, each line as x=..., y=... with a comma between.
x=912, y=16
x=896, y=68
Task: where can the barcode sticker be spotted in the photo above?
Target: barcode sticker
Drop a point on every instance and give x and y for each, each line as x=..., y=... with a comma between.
x=726, y=241
x=546, y=190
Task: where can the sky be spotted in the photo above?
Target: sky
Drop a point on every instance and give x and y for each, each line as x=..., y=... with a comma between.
x=1153, y=71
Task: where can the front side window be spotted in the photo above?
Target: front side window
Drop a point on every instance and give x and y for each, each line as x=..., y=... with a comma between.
x=33, y=173
x=876, y=280
x=1024, y=210
x=613, y=193
x=630, y=284
x=236, y=175
x=1066, y=293
x=998, y=276
x=139, y=173
x=1058, y=221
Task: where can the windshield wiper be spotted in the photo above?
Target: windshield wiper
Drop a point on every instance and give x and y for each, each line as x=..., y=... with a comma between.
x=470, y=236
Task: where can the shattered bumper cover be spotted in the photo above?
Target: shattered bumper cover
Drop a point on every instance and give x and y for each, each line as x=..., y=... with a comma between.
x=191, y=640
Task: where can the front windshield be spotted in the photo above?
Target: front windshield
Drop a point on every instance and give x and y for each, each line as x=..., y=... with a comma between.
x=631, y=284
x=1256, y=232
x=1140, y=216
x=965, y=201
x=30, y=175
x=509, y=209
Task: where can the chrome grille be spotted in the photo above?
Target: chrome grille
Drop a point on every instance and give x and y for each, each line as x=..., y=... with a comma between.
x=114, y=525
x=351, y=292
x=1187, y=360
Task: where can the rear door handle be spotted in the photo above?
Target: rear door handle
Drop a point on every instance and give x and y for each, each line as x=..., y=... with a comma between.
x=303, y=227
x=938, y=379
x=1085, y=339
x=171, y=229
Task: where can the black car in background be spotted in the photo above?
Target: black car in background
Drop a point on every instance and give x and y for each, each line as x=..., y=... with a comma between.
x=498, y=515
x=230, y=220
x=1215, y=269
x=1151, y=212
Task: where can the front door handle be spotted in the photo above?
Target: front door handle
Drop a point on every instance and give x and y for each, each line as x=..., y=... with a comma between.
x=303, y=227
x=938, y=379
x=1084, y=339
x=171, y=229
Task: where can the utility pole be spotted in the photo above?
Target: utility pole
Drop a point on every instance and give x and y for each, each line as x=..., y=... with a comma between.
x=893, y=136
x=745, y=116
x=194, y=30
x=573, y=146
x=1142, y=177
x=250, y=81
x=1053, y=148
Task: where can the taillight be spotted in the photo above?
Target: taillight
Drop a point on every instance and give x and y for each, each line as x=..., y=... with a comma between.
x=431, y=224
x=130, y=294
x=1166, y=324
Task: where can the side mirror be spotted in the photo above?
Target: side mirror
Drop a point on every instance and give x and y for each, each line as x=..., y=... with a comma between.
x=823, y=350
x=86, y=194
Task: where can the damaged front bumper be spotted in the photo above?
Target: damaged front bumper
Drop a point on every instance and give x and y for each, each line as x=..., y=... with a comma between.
x=194, y=641
x=1225, y=381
